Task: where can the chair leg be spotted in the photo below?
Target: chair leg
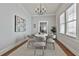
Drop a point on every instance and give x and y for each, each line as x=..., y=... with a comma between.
x=28, y=43
x=34, y=51
x=53, y=46
x=43, y=52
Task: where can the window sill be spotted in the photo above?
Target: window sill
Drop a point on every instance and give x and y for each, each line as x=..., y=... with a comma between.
x=68, y=35
x=71, y=36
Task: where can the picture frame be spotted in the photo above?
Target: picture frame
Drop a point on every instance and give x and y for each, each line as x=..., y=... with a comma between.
x=20, y=24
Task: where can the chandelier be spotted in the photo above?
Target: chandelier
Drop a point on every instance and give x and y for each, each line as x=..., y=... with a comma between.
x=40, y=10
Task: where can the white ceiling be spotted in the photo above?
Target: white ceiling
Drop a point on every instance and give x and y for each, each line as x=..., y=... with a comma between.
x=50, y=7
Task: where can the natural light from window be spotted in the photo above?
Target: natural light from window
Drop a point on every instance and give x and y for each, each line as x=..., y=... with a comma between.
x=62, y=23
x=68, y=21
x=71, y=21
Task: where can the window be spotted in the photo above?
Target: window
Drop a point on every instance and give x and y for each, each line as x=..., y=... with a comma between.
x=68, y=21
x=62, y=23
x=71, y=21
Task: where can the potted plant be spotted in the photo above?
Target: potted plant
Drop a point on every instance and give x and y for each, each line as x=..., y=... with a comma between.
x=53, y=30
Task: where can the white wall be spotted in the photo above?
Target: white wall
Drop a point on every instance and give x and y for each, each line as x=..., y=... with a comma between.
x=7, y=34
x=69, y=42
x=36, y=19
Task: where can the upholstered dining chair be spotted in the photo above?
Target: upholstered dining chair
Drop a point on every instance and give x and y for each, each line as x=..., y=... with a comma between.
x=39, y=43
x=50, y=40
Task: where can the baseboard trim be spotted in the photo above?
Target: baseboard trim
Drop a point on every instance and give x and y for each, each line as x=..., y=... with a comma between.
x=64, y=48
x=14, y=48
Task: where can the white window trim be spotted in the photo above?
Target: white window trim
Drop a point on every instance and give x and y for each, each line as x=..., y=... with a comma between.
x=66, y=25
x=62, y=23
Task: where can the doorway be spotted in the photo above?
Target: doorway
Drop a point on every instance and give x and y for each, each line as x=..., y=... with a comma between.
x=43, y=27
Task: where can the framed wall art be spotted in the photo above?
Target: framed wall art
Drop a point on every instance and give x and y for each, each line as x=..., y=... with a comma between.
x=20, y=24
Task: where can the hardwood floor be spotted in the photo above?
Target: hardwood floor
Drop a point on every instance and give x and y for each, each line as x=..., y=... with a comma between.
x=65, y=49
x=13, y=49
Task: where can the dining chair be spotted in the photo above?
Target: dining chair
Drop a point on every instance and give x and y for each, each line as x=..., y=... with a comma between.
x=39, y=43
x=50, y=40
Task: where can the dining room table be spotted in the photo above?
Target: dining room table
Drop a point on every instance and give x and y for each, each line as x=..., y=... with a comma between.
x=41, y=35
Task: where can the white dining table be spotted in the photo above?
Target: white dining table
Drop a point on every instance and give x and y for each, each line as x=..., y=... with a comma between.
x=41, y=35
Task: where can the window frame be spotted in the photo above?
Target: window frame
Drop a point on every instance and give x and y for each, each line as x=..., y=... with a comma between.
x=62, y=23
x=65, y=26
x=70, y=22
